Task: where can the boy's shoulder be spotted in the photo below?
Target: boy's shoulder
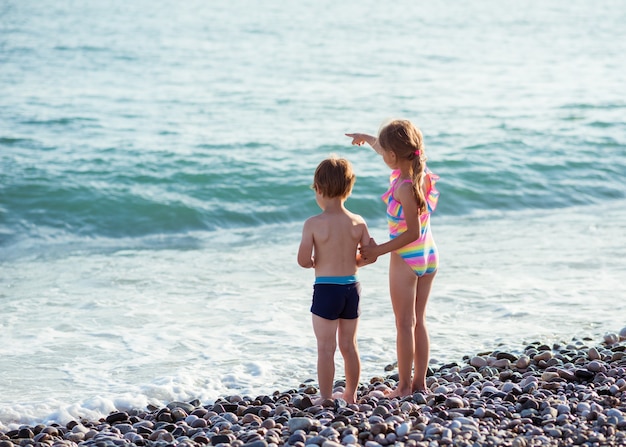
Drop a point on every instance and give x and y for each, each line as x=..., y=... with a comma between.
x=315, y=221
x=324, y=216
x=347, y=213
x=315, y=217
x=354, y=216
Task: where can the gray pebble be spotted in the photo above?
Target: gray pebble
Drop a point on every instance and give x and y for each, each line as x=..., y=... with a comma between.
x=299, y=423
x=403, y=429
x=350, y=439
x=478, y=362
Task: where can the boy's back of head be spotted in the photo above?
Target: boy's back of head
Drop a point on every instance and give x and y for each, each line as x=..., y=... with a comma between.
x=334, y=177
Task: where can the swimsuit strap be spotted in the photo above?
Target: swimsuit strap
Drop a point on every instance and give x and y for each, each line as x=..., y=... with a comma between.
x=396, y=183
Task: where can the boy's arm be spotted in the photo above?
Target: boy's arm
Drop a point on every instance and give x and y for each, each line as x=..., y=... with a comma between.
x=305, y=252
x=360, y=138
x=365, y=240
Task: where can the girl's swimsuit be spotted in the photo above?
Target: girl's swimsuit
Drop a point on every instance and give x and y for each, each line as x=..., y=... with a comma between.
x=421, y=254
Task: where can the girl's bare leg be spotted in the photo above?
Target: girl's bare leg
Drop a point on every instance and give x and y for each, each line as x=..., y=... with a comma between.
x=422, y=341
x=326, y=335
x=350, y=352
x=402, y=288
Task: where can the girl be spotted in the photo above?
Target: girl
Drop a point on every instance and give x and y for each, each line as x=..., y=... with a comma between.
x=410, y=199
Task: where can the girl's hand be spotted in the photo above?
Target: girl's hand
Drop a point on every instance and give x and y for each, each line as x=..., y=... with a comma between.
x=357, y=138
x=369, y=252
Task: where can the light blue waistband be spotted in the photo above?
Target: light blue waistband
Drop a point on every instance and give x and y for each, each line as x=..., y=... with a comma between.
x=351, y=279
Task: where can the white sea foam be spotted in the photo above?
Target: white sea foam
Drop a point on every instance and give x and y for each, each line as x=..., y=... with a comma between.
x=158, y=326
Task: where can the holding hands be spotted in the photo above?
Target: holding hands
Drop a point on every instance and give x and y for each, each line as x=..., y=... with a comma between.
x=369, y=252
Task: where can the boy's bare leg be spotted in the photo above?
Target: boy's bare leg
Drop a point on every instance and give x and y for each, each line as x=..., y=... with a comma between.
x=326, y=335
x=350, y=352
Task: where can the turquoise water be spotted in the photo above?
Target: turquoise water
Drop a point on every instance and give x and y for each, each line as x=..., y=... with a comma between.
x=155, y=163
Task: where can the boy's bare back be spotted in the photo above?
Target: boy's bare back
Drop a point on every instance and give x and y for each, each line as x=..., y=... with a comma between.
x=330, y=240
x=336, y=238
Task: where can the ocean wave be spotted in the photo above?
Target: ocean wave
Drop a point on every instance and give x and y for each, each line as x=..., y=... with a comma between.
x=115, y=195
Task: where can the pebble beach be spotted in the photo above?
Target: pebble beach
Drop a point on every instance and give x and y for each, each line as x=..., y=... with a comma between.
x=562, y=394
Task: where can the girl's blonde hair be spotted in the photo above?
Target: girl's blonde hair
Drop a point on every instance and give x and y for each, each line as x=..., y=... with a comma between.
x=406, y=141
x=334, y=177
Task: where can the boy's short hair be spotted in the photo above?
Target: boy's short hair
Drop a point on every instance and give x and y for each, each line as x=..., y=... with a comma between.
x=334, y=177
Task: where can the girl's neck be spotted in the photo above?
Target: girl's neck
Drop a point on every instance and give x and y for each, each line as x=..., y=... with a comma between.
x=405, y=170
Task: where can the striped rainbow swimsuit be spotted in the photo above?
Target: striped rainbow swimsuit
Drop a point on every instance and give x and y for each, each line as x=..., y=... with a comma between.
x=421, y=254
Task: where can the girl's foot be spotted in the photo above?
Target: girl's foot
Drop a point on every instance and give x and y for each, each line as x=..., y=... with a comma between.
x=378, y=394
x=424, y=392
x=324, y=402
x=350, y=399
x=381, y=390
x=421, y=389
x=398, y=392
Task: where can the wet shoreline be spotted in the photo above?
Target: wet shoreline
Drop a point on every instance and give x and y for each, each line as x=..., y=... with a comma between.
x=551, y=395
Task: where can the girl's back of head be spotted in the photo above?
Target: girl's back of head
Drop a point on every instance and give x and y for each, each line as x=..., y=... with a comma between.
x=402, y=137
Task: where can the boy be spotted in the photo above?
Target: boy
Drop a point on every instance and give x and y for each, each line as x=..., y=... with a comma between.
x=330, y=243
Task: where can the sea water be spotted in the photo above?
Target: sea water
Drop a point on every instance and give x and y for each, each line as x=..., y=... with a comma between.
x=155, y=165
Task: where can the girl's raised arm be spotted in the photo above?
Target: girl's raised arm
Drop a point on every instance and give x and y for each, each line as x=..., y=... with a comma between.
x=359, y=138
